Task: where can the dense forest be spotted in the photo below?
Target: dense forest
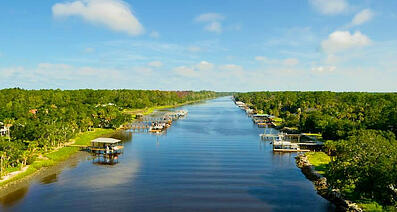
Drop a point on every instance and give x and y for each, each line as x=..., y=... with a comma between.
x=360, y=132
x=37, y=121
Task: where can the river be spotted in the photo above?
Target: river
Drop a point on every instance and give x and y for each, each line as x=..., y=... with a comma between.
x=213, y=160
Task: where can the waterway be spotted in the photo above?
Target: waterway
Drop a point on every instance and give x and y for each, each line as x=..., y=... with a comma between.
x=212, y=160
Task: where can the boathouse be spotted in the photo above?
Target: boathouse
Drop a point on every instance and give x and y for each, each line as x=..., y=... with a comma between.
x=106, y=146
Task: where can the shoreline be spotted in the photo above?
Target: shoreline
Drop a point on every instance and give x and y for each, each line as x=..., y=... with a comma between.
x=50, y=159
x=150, y=110
x=60, y=155
x=320, y=184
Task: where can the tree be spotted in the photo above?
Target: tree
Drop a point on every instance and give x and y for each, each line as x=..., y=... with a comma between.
x=3, y=156
x=366, y=163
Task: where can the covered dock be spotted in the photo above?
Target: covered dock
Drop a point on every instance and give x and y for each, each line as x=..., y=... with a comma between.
x=286, y=146
x=106, y=146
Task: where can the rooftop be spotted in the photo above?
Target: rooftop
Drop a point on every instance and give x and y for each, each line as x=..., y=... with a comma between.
x=106, y=140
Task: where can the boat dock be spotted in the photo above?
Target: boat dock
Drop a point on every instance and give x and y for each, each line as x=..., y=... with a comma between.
x=155, y=124
x=282, y=142
x=106, y=146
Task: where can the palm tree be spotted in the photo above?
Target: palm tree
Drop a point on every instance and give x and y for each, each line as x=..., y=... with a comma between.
x=2, y=158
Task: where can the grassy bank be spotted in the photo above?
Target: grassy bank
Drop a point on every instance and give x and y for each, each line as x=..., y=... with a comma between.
x=320, y=161
x=59, y=155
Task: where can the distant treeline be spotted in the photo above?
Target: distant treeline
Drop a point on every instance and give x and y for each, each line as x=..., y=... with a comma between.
x=330, y=113
x=39, y=120
x=360, y=129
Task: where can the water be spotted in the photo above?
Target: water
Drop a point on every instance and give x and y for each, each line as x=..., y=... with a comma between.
x=213, y=160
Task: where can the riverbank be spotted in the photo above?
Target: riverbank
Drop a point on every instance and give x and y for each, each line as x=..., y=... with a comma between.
x=52, y=158
x=313, y=165
x=147, y=111
x=63, y=153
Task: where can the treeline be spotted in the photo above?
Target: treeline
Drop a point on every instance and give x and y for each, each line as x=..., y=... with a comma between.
x=40, y=120
x=360, y=130
x=330, y=113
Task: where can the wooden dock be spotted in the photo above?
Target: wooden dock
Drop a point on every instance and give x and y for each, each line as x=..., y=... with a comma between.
x=291, y=150
x=153, y=123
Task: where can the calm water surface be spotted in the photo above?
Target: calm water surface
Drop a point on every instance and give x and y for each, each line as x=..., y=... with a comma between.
x=213, y=160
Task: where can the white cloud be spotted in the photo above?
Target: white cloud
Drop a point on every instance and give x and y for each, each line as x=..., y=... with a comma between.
x=362, y=17
x=10, y=71
x=330, y=7
x=285, y=62
x=266, y=60
x=323, y=69
x=342, y=40
x=291, y=62
x=209, y=17
x=65, y=76
x=194, y=70
x=212, y=20
x=205, y=66
x=156, y=64
x=114, y=14
x=51, y=66
x=185, y=71
x=214, y=27
x=154, y=34
x=194, y=49
x=332, y=59
x=235, y=27
x=231, y=67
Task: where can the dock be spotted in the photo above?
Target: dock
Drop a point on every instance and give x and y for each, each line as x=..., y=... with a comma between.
x=106, y=146
x=155, y=124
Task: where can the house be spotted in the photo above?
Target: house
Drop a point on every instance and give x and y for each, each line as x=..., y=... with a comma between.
x=3, y=129
x=33, y=111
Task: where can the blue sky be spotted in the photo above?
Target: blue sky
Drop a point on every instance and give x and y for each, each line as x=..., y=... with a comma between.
x=238, y=45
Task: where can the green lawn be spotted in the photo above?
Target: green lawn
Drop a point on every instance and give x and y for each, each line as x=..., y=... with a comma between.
x=86, y=137
x=319, y=160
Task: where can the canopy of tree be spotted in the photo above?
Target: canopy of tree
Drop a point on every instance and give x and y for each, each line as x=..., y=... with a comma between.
x=365, y=165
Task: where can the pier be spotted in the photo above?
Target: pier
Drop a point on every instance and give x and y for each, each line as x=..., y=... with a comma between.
x=282, y=142
x=155, y=124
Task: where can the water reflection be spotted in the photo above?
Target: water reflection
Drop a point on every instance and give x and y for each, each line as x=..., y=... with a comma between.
x=102, y=159
x=14, y=197
x=52, y=178
x=125, y=136
x=110, y=176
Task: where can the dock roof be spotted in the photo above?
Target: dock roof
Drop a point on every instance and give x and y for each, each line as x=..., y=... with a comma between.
x=261, y=115
x=106, y=140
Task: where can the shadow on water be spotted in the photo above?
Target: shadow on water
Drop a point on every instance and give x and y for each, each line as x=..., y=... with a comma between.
x=14, y=197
